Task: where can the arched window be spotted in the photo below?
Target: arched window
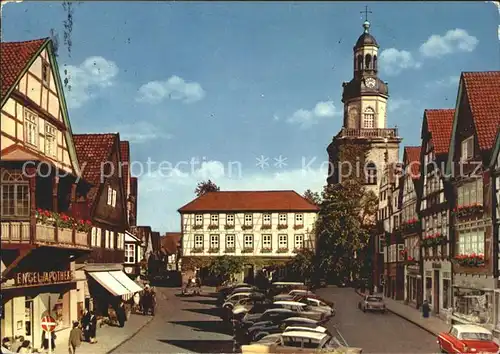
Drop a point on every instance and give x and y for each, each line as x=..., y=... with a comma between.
x=360, y=62
x=371, y=173
x=14, y=195
x=369, y=118
x=368, y=61
x=374, y=62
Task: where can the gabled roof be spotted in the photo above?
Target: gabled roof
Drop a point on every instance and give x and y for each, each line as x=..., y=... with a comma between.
x=285, y=200
x=125, y=159
x=484, y=99
x=93, y=150
x=440, y=125
x=14, y=58
x=171, y=242
x=411, y=158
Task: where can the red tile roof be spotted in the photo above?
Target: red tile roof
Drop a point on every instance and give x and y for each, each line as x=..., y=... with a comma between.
x=440, y=125
x=93, y=151
x=412, y=159
x=249, y=201
x=14, y=57
x=125, y=159
x=171, y=242
x=484, y=99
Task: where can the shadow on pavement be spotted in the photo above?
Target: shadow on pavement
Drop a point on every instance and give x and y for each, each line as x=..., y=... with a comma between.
x=203, y=301
x=206, y=326
x=209, y=312
x=203, y=346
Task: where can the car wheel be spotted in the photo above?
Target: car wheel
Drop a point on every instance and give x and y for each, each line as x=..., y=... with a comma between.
x=441, y=350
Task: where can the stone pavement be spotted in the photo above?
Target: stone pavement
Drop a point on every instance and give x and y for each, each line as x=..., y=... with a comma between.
x=108, y=338
x=431, y=324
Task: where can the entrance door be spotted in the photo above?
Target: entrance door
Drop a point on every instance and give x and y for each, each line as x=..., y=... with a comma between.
x=436, y=291
x=28, y=319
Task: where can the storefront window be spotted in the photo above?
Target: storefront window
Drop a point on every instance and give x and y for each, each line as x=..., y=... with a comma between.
x=473, y=305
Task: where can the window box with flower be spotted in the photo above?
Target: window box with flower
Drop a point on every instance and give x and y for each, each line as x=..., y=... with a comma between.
x=465, y=211
x=197, y=227
x=410, y=260
x=229, y=250
x=282, y=226
x=213, y=227
x=411, y=225
x=197, y=250
x=266, y=227
x=434, y=240
x=247, y=250
x=266, y=250
x=282, y=250
x=298, y=227
x=213, y=250
x=228, y=227
x=246, y=227
x=470, y=260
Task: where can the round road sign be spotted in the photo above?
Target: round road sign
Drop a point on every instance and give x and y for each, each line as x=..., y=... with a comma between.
x=48, y=324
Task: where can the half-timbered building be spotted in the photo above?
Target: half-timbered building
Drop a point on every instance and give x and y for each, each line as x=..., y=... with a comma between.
x=475, y=125
x=495, y=167
x=101, y=277
x=434, y=210
x=39, y=183
x=264, y=225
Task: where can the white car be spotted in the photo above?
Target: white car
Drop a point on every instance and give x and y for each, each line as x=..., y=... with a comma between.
x=234, y=298
x=318, y=305
x=303, y=310
x=319, y=329
x=293, y=293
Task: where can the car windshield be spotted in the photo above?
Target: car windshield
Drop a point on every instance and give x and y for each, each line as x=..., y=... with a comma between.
x=476, y=336
x=374, y=299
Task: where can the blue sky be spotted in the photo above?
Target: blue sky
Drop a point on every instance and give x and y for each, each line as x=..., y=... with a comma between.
x=224, y=83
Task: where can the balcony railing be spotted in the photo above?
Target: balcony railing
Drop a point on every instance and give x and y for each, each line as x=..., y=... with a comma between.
x=20, y=232
x=369, y=133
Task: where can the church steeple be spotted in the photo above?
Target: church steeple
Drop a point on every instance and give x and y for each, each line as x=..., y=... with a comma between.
x=366, y=51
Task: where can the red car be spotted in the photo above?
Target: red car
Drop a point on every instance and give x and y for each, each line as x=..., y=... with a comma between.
x=467, y=339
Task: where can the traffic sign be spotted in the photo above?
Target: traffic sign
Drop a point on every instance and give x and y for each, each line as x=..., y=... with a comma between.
x=48, y=323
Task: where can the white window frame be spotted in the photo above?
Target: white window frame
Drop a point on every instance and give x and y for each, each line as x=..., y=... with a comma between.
x=369, y=118
x=381, y=247
x=214, y=219
x=400, y=249
x=248, y=241
x=471, y=238
x=299, y=219
x=267, y=241
x=50, y=140
x=266, y=219
x=248, y=219
x=470, y=193
x=214, y=241
x=230, y=219
x=198, y=241
x=467, y=149
x=283, y=219
x=130, y=253
x=230, y=241
x=282, y=241
x=112, y=239
x=93, y=238
x=11, y=184
x=198, y=219
x=107, y=239
x=111, y=197
x=299, y=241
x=31, y=134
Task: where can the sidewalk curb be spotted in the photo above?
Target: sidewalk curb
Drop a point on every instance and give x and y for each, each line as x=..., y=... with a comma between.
x=405, y=318
x=132, y=336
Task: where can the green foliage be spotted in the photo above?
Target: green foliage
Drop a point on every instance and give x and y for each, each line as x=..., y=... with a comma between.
x=304, y=264
x=205, y=187
x=312, y=197
x=224, y=267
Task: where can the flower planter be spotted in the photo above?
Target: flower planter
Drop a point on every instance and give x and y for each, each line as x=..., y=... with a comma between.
x=229, y=250
x=266, y=227
x=197, y=250
x=45, y=233
x=266, y=250
x=81, y=238
x=466, y=211
x=282, y=227
x=282, y=250
x=228, y=227
x=247, y=250
x=298, y=227
x=247, y=227
x=213, y=227
x=213, y=250
x=470, y=260
x=65, y=235
x=197, y=227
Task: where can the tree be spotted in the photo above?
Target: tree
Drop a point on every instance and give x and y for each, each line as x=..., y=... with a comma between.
x=224, y=267
x=303, y=264
x=205, y=187
x=312, y=197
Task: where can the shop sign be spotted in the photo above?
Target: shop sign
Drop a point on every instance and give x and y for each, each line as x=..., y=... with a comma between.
x=41, y=278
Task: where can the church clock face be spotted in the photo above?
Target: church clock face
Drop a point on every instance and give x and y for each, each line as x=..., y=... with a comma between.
x=370, y=82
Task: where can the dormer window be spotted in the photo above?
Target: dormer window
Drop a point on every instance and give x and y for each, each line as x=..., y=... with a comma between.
x=467, y=149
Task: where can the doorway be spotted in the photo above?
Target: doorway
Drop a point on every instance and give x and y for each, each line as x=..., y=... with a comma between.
x=28, y=319
x=436, y=291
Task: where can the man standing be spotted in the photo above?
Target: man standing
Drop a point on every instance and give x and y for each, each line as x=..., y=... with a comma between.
x=74, y=338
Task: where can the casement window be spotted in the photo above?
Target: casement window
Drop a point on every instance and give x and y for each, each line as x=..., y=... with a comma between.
x=470, y=239
x=230, y=219
x=129, y=253
x=15, y=195
x=112, y=236
x=45, y=73
x=198, y=219
x=93, y=238
x=467, y=149
x=381, y=242
x=266, y=242
x=400, y=255
x=470, y=193
x=214, y=219
x=198, y=241
x=214, y=242
x=50, y=140
x=299, y=219
x=111, y=201
x=247, y=241
x=120, y=241
x=299, y=241
x=283, y=241
x=230, y=242
x=266, y=219
x=30, y=127
x=282, y=218
x=248, y=219
x=98, y=236
x=107, y=238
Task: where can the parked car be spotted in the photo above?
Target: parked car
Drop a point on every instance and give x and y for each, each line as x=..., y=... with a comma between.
x=372, y=303
x=293, y=293
x=246, y=304
x=304, y=310
x=273, y=315
x=284, y=287
x=314, y=296
x=318, y=305
x=191, y=289
x=235, y=298
x=262, y=329
x=467, y=339
x=225, y=292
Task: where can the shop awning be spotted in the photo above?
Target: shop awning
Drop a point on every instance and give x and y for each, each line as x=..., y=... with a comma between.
x=116, y=282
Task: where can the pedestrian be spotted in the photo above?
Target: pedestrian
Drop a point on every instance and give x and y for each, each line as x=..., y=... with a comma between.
x=121, y=315
x=7, y=346
x=85, y=322
x=45, y=341
x=75, y=337
x=25, y=347
x=425, y=309
x=92, y=327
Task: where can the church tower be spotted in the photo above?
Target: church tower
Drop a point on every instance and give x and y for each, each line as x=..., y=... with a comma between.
x=365, y=115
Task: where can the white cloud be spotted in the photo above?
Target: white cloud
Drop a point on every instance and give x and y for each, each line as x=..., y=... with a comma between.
x=306, y=118
x=456, y=40
x=393, y=61
x=175, y=88
x=141, y=132
x=395, y=104
x=176, y=185
x=445, y=82
x=85, y=81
